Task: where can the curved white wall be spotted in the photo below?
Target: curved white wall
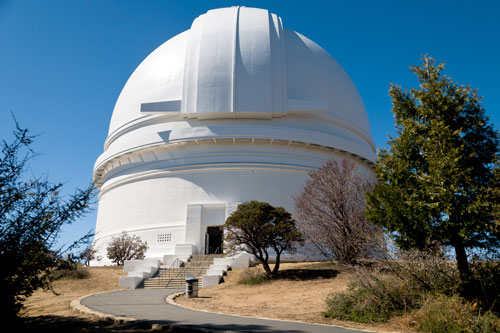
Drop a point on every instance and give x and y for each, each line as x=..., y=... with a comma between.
x=152, y=198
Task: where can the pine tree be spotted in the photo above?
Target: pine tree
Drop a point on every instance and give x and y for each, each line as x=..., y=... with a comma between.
x=437, y=180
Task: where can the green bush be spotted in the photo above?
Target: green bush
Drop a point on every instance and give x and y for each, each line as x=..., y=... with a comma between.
x=452, y=314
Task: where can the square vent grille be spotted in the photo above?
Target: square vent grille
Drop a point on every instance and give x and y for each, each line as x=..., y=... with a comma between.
x=163, y=238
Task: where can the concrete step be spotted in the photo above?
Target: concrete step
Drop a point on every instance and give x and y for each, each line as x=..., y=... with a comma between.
x=205, y=257
x=198, y=264
x=175, y=278
x=170, y=285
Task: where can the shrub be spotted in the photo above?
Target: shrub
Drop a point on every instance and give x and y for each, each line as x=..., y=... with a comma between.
x=424, y=271
x=73, y=274
x=253, y=276
x=441, y=313
x=374, y=300
x=358, y=304
x=485, y=286
x=394, y=287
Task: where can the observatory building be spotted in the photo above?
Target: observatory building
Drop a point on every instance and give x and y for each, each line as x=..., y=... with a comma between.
x=236, y=108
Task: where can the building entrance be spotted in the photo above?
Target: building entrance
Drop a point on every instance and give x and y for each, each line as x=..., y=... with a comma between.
x=214, y=240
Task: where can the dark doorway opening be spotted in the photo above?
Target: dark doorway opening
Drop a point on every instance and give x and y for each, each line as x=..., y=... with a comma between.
x=214, y=240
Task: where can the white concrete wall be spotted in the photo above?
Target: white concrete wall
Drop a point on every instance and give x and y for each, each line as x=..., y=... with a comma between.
x=183, y=200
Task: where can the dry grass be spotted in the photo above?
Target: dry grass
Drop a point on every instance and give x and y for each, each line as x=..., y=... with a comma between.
x=101, y=279
x=299, y=295
x=45, y=310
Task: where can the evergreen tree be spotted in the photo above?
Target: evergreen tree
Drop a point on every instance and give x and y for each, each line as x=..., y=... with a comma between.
x=437, y=180
x=258, y=227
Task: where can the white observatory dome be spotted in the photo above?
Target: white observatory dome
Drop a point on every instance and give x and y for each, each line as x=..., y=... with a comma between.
x=236, y=108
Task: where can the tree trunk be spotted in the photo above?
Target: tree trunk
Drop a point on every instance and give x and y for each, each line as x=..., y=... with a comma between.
x=265, y=264
x=264, y=260
x=277, y=264
x=462, y=262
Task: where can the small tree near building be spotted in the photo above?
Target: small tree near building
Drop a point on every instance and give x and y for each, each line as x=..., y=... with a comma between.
x=258, y=228
x=87, y=255
x=330, y=212
x=126, y=247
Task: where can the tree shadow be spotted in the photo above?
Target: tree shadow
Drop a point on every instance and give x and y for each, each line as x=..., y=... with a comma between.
x=307, y=274
x=80, y=324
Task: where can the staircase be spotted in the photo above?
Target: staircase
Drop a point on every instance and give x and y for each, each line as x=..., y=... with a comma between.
x=175, y=278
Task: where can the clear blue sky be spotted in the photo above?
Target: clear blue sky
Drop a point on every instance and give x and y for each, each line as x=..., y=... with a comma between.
x=63, y=63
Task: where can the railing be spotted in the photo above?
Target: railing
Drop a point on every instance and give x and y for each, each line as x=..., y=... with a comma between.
x=214, y=250
x=173, y=276
x=196, y=271
x=182, y=271
x=162, y=274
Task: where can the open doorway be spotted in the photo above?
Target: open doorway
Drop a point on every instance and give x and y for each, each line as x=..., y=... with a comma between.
x=214, y=240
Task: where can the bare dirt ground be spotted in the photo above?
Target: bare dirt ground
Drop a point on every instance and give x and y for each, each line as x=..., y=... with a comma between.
x=299, y=295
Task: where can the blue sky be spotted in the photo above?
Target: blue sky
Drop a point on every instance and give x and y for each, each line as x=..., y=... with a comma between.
x=63, y=63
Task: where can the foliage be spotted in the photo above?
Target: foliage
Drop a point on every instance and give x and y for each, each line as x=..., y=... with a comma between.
x=441, y=313
x=258, y=227
x=360, y=305
x=439, y=180
x=330, y=210
x=72, y=272
x=394, y=287
x=252, y=276
x=485, y=277
x=32, y=213
x=423, y=271
x=126, y=247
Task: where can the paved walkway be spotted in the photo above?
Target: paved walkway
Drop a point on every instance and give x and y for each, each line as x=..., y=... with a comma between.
x=150, y=305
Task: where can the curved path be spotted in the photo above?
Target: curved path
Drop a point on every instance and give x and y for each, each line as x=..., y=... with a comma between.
x=150, y=305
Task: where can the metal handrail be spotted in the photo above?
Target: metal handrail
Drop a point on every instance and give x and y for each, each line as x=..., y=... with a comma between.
x=176, y=260
x=167, y=273
x=181, y=271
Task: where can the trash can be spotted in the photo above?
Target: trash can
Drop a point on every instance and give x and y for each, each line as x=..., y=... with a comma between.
x=191, y=286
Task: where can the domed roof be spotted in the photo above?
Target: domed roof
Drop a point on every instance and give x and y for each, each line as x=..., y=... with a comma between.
x=235, y=63
x=237, y=75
